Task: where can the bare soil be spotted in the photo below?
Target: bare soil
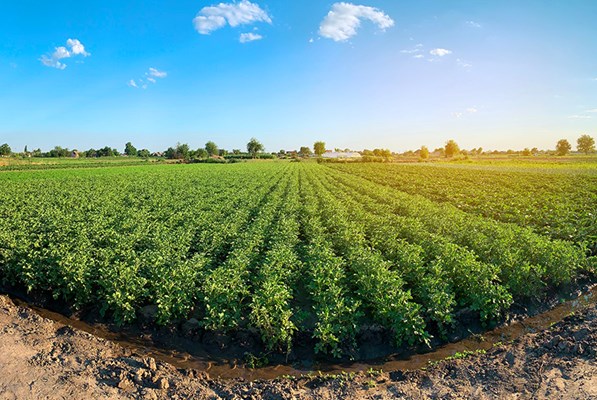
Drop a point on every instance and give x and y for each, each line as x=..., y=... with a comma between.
x=43, y=359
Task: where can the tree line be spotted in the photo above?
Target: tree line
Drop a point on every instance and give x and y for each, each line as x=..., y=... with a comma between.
x=254, y=149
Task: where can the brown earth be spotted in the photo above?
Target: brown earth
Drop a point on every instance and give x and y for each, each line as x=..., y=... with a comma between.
x=43, y=359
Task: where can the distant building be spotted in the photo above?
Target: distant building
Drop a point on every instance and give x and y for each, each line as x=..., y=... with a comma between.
x=341, y=154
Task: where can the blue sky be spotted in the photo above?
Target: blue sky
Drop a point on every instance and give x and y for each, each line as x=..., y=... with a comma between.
x=366, y=74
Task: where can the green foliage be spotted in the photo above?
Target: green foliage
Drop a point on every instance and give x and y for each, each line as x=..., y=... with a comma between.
x=585, y=144
x=451, y=149
x=211, y=148
x=254, y=147
x=130, y=150
x=305, y=151
x=5, y=150
x=563, y=147
x=286, y=248
x=319, y=148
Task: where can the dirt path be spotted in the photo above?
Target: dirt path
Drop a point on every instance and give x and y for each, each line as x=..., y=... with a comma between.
x=41, y=359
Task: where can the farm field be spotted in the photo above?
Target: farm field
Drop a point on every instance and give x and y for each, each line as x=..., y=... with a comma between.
x=293, y=249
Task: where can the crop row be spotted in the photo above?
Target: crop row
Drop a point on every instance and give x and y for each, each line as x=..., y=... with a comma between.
x=281, y=248
x=557, y=203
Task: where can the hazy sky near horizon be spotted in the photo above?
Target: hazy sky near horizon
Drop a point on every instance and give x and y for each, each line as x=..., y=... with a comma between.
x=363, y=74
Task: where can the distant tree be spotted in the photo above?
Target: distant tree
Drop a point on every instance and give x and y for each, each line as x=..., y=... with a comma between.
x=424, y=152
x=91, y=153
x=526, y=152
x=305, y=151
x=319, y=148
x=201, y=154
x=222, y=152
x=130, y=150
x=236, y=151
x=451, y=148
x=25, y=150
x=439, y=151
x=170, y=153
x=58, y=151
x=36, y=153
x=211, y=148
x=585, y=144
x=563, y=147
x=5, y=150
x=385, y=153
x=182, y=151
x=254, y=147
x=105, y=152
x=144, y=153
x=534, y=151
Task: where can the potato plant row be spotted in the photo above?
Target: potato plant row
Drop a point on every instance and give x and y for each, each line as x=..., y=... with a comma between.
x=558, y=203
x=284, y=249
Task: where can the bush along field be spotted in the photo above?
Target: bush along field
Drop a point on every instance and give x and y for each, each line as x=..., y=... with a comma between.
x=294, y=249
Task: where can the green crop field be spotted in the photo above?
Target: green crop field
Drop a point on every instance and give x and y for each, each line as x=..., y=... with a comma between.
x=286, y=248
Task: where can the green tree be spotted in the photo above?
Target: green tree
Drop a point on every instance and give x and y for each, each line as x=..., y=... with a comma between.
x=319, y=148
x=451, y=148
x=563, y=147
x=201, y=154
x=211, y=148
x=254, y=147
x=526, y=152
x=585, y=144
x=424, y=153
x=180, y=152
x=305, y=151
x=58, y=151
x=130, y=150
x=5, y=150
x=144, y=153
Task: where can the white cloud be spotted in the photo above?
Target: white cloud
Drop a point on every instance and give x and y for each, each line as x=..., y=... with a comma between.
x=344, y=19
x=594, y=110
x=440, y=52
x=52, y=62
x=473, y=24
x=152, y=75
x=580, y=117
x=212, y=18
x=61, y=52
x=460, y=114
x=155, y=73
x=77, y=47
x=249, y=37
x=419, y=56
x=462, y=63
